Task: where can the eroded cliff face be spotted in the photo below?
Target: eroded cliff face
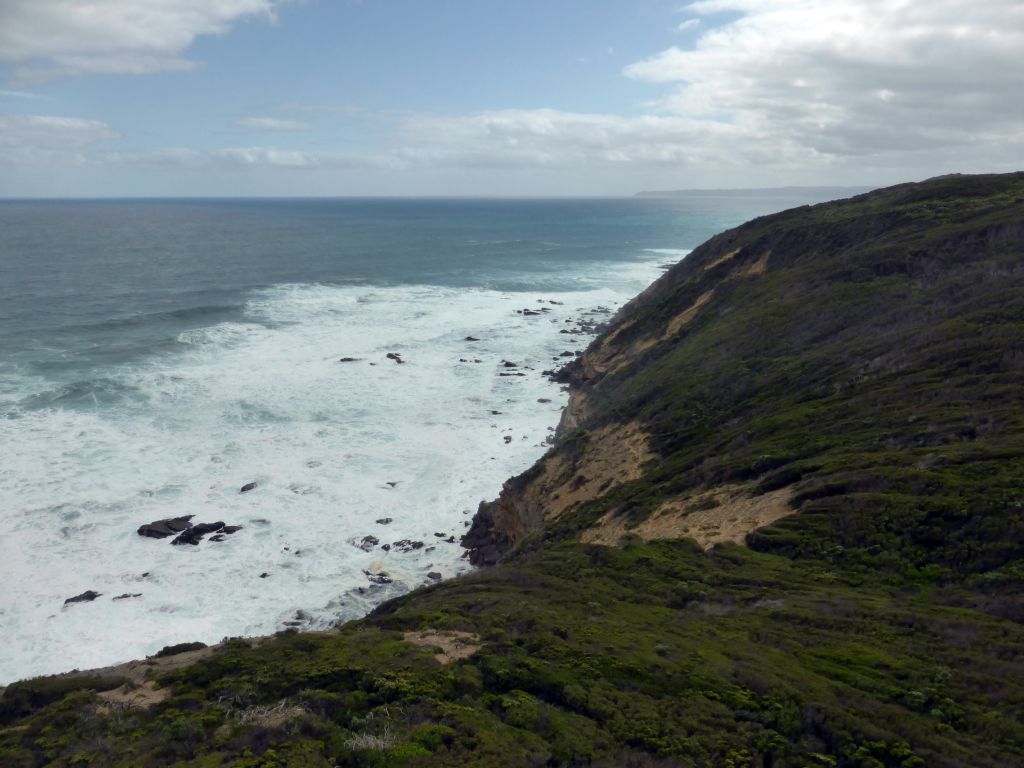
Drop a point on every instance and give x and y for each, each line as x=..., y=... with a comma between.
x=574, y=471
x=597, y=451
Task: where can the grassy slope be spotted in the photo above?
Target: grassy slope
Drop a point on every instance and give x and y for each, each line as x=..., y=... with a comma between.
x=878, y=364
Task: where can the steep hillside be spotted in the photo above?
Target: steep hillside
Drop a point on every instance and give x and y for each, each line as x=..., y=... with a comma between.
x=781, y=525
x=857, y=365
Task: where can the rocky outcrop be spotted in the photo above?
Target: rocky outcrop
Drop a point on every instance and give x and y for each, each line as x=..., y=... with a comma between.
x=86, y=597
x=161, y=529
x=196, y=533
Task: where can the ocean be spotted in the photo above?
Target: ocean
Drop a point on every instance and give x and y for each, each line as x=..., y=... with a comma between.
x=158, y=355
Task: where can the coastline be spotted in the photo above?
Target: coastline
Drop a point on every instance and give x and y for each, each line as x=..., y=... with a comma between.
x=587, y=322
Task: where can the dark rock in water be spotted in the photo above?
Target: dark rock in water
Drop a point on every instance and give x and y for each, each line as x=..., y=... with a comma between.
x=391, y=483
x=367, y=543
x=161, y=529
x=378, y=578
x=509, y=364
x=196, y=533
x=511, y=374
x=229, y=529
x=264, y=575
x=349, y=360
x=218, y=537
x=145, y=575
x=247, y=487
x=543, y=399
x=434, y=576
x=86, y=597
x=495, y=413
x=440, y=535
x=471, y=338
x=128, y=595
x=384, y=521
x=450, y=540
x=395, y=356
x=567, y=353
x=508, y=439
x=386, y=547
x=406, y=545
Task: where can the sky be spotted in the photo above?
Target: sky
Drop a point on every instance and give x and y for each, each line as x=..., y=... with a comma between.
x=103, y=98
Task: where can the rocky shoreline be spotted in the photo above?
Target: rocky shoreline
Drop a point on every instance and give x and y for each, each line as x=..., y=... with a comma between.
x=478, y=542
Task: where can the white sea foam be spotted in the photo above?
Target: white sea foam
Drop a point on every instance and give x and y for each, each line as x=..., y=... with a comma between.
x=334, y=446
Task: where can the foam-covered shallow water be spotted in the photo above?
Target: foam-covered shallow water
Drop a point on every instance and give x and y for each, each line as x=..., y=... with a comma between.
x=157, y=356
x=333, y=447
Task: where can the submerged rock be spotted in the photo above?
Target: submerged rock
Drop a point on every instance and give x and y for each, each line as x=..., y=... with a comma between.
x=86, y=597
x=161, y=529
x=128, y=595
x=384, y=521
x=247, y=487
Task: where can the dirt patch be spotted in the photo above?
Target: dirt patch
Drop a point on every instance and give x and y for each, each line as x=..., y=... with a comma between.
x=613, y=455
x=721, y=259
x=687, y=315
x=759, y=267
x=724, y=514
x=452, y=644
x=140, y=691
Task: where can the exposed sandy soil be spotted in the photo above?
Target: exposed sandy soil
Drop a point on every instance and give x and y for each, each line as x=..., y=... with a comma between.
x=735, y=514
x=756, y=269
x=140, y=691
x=721, y=259
x=452, y=644
x=614, y=455
x=684, y=317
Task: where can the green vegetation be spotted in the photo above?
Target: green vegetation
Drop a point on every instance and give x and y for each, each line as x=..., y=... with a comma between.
x=876, y=368
x=174, y=650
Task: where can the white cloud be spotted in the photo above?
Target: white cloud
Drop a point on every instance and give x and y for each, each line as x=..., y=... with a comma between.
x=688, y=24
x=20, y=95
x=860, y=78
x=256, y=157
x=271, y=124
x=30, y=138
x=551, y=138
x=52, y=38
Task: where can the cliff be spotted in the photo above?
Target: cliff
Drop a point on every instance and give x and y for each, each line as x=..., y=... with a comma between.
x=819, y=362
x=781, y=525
